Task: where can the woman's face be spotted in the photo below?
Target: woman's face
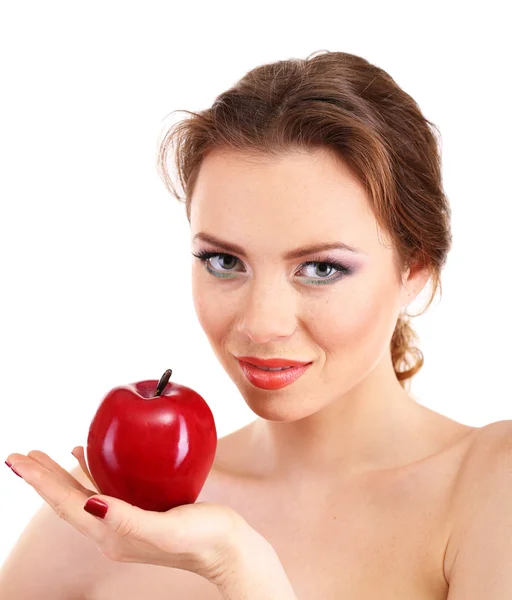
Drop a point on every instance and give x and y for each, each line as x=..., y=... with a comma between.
x=268, y=305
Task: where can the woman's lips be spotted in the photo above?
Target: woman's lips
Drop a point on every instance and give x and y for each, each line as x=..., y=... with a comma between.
x=272, y=380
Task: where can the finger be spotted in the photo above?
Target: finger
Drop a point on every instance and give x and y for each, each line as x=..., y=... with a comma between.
x=129, y=521
x=16, y=458
x=48, y=463
x=79, y=454
x=66, y=500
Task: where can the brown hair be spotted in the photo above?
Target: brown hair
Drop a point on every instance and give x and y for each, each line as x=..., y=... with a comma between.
x=342, y=102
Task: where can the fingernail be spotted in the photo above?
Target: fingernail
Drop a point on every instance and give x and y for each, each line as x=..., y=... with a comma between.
x=12, y=468
x=96, y=507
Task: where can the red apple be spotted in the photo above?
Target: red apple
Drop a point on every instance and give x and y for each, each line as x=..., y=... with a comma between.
x=152, y=444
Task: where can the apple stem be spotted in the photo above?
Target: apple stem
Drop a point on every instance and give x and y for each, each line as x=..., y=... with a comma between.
x=164, y=380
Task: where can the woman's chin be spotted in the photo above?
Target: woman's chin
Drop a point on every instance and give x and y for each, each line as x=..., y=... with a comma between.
x=280, y=409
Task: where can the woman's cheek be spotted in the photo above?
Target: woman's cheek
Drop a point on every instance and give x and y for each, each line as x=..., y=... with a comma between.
x=356, y=327
x=215, y=321
x=203, y=304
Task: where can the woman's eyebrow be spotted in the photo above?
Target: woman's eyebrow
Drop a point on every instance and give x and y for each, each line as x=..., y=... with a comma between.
x=297, y=253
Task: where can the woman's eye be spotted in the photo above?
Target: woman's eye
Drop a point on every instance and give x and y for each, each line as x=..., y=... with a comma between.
x=318, y=271
x=225, y=261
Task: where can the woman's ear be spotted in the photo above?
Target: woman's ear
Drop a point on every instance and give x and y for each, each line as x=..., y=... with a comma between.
x=413, y=281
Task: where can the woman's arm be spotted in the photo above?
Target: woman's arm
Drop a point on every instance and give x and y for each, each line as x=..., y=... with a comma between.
x=256, y=573
x=206, y=538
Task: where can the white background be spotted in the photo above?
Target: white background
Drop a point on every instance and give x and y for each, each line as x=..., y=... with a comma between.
x=95, y=255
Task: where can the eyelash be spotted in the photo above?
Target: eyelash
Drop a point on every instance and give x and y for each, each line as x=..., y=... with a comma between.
x=343, y=270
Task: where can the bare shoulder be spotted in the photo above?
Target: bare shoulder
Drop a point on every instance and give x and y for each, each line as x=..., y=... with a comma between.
x=488, y=443
x=486, y=467
x=496, y=429
x=51, y=559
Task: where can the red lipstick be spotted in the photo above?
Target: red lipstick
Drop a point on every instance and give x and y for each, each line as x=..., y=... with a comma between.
x=273, y=380
x=272, y=363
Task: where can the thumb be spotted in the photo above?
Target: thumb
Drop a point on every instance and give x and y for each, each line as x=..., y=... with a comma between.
x=123, y=518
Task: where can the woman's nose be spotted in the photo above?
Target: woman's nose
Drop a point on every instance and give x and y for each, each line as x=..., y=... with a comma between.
x=268, y=314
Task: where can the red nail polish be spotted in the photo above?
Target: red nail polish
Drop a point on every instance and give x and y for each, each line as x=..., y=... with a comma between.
x=14, y=470
x=96, y=507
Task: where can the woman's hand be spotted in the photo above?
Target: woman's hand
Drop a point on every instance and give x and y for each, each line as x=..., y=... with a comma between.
x=204, y=538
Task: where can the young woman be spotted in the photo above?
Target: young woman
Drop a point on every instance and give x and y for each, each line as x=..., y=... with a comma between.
x=314, y=196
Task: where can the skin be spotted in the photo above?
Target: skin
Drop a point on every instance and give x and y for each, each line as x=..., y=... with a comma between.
x=348, y=414
x=356, y=486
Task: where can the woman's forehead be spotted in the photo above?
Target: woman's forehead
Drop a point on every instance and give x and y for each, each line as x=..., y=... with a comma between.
x=291, y=193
